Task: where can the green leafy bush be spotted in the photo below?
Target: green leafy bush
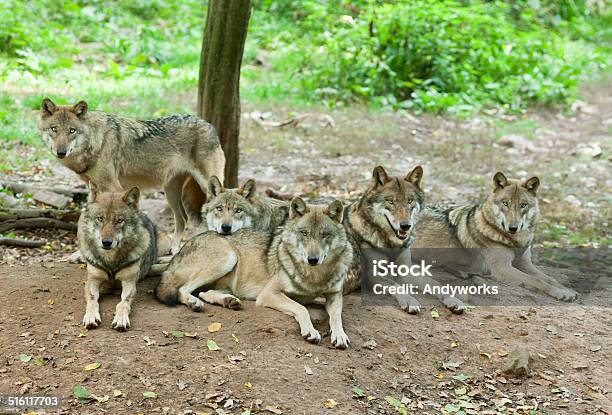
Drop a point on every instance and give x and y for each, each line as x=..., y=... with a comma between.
x=438, y=56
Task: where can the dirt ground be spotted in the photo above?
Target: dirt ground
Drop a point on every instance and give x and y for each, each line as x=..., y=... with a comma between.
x=420, y=362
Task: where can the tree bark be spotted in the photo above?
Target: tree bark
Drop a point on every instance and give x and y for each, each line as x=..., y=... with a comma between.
x=218, y=88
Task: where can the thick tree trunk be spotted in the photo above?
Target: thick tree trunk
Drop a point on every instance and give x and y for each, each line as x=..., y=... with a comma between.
x=218, y=89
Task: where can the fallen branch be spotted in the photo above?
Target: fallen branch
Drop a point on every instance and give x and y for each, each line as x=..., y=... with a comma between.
x=16, y=214
x=78, y=195
x=31, y=223
x=24, y=243
x=275, y=194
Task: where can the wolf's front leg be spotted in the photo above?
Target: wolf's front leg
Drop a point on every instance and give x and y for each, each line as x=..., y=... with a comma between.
x=526, y=265
x=128, y=278
x=500, y=263
x=272, y=297
x=333, y=305
x=95, y=277
x=406, y=301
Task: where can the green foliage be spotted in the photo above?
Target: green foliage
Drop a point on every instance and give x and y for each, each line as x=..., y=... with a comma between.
x=434, y=56
x=455, y=56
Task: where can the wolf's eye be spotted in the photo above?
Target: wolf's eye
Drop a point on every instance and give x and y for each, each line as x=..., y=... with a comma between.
x=523, y=205
x=325, y=235
x=219, y=208
x=54, y=129
x=389, y=201
x=100, y=219
x=120, y=220
x=410, y=201
x=238, y=210
x=505, y=203
x=303, y=233
x=72, y=131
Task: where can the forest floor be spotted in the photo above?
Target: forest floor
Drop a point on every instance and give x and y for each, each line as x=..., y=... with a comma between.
x=422, y=363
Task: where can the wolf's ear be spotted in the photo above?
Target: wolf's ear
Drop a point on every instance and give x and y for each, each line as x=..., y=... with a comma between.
x=214, y=186
x=80, y=109
x=532, y=185
x=298, y=208
x=93, y=192
x=499, y=180
x=131, y=197
x=335, y=211
x=248, y=189
x=47, y=108
x=379, y=176
x=415, y=176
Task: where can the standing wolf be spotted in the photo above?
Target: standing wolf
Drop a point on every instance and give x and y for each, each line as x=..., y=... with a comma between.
x=178, y=152
x=306, y=258
x=232, y=209
x=494, y=236
x=119, y=244
x=382, y=223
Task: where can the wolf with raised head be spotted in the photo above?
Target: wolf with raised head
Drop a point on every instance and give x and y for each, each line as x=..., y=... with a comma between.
x=382, y=223
x=179, y=153
x=492, y=237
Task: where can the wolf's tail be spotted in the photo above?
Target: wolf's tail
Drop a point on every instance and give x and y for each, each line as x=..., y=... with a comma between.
x=166, y=291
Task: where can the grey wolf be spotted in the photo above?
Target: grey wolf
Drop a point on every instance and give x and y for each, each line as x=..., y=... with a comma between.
x=305, y=258
x=310, y=259
x=116, y=153
x=119, y=244
x=494, y=236
x=230, y=210
x=384, y=218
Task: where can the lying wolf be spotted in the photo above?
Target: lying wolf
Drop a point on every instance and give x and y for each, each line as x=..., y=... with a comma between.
x=494, y=236
x=382, y=223
x=306, y=258
x=119, y=244
x=116, y=153
x=232, y=209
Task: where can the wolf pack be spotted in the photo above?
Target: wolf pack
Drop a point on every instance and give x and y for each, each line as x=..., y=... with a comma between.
x=282, y=254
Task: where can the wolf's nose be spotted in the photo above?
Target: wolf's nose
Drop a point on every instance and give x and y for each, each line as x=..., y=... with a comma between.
x=313, y=260
x=107, y=243
x=513, y=228
x=226, y=229
x=61, y=153
x=405, y=225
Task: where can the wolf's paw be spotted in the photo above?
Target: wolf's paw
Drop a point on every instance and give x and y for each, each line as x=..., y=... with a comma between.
x=312, y=335
x=563, y=294
x=232, y=302
x=121, y=322
x=340, y=340
x=76, y=258
x=411, y=306
x=454, y=304
x=195, y=304
x=91, y=320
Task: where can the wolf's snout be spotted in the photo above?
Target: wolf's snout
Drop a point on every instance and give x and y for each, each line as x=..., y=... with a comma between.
x=513, y=228
x=61, y=153
x=107, y=243
x=313, y=260
x=405, y=225
x=226, y=229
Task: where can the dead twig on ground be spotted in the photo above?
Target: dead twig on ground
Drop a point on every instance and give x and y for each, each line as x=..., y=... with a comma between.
x=17, y=214
x=32, y=223
x=275, y=194
x=22, y=243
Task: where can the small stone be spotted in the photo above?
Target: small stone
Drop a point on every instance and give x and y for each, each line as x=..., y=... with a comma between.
x=518, y=363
